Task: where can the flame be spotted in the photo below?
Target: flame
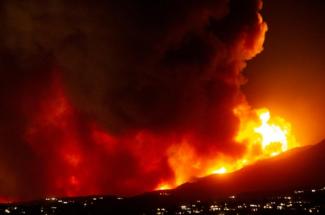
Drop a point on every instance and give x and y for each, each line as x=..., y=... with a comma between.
x=163, y=186
x=221, y=170
x=262, y=135
x=272, y=134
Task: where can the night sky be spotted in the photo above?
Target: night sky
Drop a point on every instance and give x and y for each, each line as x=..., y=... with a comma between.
x=119, y=97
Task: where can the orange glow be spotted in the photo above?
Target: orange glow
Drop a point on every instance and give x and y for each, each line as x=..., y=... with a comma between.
x=163, y=187
x=265, y=135
x=262, y=135
x=222, y=170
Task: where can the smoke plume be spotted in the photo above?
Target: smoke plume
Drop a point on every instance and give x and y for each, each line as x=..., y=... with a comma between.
x=114, y=96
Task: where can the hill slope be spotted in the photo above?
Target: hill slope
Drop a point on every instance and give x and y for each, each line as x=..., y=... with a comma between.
x=299, y=168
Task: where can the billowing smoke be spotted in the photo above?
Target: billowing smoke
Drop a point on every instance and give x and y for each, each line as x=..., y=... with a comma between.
x=117, y=96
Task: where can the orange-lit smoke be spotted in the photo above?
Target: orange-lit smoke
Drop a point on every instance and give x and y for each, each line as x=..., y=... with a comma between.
x=131, y=106
x=262, y=135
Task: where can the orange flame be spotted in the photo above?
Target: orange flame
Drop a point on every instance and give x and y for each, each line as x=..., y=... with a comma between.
x=163, y=187
x=262, y=134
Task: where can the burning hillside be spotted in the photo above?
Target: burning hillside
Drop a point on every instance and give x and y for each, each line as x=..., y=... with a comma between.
x=120, y=98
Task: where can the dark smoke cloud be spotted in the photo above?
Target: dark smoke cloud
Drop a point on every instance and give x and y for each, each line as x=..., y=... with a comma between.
x=96, y=93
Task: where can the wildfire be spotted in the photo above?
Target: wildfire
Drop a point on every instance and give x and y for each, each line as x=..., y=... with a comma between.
x=262, y=134
x=221, y=170
x=163, y=186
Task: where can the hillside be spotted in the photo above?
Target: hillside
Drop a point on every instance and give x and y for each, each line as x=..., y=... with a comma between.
x=299, y=168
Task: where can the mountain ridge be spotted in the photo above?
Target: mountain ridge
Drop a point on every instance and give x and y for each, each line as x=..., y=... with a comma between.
x=298, y=168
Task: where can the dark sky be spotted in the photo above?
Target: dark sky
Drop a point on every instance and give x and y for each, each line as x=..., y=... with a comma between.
x=290, y=73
